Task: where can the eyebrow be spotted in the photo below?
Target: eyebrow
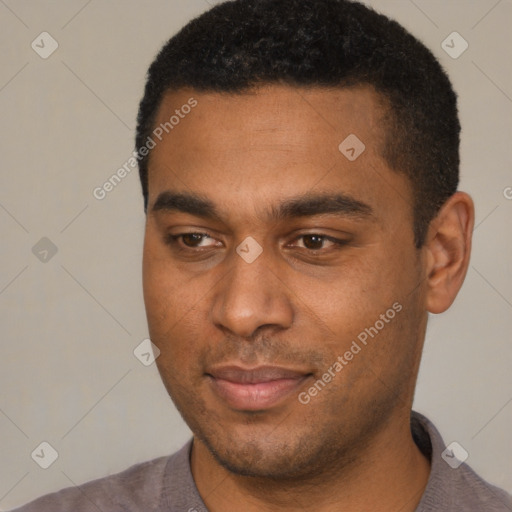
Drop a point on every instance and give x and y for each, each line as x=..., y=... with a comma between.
x=307, y=205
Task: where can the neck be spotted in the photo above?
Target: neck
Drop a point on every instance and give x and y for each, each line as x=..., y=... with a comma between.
x=388, y=474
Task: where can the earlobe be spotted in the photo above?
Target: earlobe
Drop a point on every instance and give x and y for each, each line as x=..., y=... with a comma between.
x=448, y=249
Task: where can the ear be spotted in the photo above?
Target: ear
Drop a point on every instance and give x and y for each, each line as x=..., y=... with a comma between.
x=448, y=247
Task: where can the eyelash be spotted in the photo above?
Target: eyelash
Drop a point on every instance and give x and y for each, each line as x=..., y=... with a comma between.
x=174, y=241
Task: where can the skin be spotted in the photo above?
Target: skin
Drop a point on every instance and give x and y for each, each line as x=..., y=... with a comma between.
x=301, y=303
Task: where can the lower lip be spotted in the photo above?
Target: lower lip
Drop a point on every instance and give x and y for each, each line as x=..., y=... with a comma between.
x=255, y=397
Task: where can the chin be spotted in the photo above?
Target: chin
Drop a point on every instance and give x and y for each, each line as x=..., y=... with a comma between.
x=278, y=457
x=252, y=460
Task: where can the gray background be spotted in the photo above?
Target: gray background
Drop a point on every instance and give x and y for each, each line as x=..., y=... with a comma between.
x=70, y=324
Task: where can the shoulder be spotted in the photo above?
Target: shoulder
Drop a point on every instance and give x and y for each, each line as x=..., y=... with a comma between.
x=453, y=485
x=479, y=493
x=140, y=487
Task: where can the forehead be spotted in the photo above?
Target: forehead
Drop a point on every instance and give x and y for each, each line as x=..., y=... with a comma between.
x=278, y=108
x=273, y=141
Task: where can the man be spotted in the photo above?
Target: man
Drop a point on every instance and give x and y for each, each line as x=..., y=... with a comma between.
x=299, y=163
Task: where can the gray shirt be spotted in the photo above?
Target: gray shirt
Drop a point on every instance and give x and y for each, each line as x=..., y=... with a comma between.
x=166, y=484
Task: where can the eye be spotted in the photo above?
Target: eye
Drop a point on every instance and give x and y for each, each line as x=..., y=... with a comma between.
x=315, y=242
x=190, y=240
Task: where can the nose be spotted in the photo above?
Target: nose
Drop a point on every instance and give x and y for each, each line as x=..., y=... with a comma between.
x=251, y=295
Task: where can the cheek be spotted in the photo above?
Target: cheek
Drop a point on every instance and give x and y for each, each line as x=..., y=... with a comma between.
x=348, y=306
x=172, y=308
x=161, y=290
x=352, y=294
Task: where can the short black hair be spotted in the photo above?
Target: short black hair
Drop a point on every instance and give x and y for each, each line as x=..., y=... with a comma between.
x=240, y=44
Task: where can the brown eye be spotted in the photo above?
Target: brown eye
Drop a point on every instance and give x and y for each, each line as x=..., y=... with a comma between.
x=313, y=242
x=318, y=242
x=191, y=239
x=187, y=241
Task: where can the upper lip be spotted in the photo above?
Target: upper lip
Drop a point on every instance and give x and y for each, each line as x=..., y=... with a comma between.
x=255, y=375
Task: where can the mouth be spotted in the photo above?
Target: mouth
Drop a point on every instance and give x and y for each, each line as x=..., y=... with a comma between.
x=255, y=389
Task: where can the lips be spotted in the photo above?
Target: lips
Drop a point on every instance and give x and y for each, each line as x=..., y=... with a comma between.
x=255, y=389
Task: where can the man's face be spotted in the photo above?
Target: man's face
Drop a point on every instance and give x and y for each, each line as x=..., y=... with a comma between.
x=244, y=336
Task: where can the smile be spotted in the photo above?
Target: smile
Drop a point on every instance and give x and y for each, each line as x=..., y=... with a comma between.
x=255, y=389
